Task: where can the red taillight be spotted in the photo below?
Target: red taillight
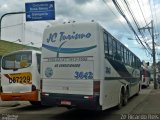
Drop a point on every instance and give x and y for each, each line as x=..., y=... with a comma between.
x=88, y=97
x=96, y=87
x=33, y=88
x=45, y=94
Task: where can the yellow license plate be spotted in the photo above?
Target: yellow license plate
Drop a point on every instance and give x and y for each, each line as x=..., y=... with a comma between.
x=23, y=78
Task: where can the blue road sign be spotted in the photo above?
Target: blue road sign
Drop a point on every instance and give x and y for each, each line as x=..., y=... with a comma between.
x=36, y=11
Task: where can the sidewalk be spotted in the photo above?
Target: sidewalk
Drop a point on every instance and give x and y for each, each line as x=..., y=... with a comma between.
x=150, y=105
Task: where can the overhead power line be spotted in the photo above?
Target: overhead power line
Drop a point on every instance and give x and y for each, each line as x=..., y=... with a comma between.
x=130, y=11
x=149, y=2
x=141, y=11
x=156, y=26
x=12, y=25
x=114, y=14
x=129, y=24
x=136, y=22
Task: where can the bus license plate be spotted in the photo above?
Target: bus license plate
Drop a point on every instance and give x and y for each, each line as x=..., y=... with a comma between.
x=65, y=103
x=23, y=78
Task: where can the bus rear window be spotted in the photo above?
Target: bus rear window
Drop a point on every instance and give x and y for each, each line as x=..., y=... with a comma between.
x=17, y=60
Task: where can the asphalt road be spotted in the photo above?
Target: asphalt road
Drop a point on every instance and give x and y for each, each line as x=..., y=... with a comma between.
x=144, y=106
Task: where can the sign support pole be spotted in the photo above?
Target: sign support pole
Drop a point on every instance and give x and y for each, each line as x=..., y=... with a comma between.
x=11, y=13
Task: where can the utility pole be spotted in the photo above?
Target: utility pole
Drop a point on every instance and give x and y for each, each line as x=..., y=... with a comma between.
x=11, y=13
x=154, y=58
x=153, y=53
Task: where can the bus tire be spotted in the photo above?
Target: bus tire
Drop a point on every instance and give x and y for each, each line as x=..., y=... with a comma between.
x=35, y=103
x=119, y=106
x=126, y=96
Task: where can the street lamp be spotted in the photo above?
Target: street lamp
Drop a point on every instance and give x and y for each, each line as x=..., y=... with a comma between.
x=145, y=40
x=11, y=13
x=132, y=39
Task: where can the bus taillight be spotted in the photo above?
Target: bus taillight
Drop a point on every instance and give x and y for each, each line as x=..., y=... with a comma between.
x=96, y=87
x=45, y=94
x=88, y=97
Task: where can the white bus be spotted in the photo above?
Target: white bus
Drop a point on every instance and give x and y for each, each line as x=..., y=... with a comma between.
x=84, y=66
x=20, y=76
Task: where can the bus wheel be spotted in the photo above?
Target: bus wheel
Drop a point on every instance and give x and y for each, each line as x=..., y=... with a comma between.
x=119, y=106
x=126, y=95
x=36, y=103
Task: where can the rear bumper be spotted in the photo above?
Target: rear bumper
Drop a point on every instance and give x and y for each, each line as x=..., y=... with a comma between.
x=28, y=96
x=77, y=101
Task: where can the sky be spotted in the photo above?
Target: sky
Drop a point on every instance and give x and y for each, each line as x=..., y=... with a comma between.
x=15, y=27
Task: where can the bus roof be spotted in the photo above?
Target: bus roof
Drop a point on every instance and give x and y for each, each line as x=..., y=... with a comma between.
x=36, y=51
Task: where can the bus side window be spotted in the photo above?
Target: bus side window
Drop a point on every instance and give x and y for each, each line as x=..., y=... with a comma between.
x=122, y=53
x=114, y=47
x=38, y=62
x=105, y=37
x=118, y=57
x=110, y=46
